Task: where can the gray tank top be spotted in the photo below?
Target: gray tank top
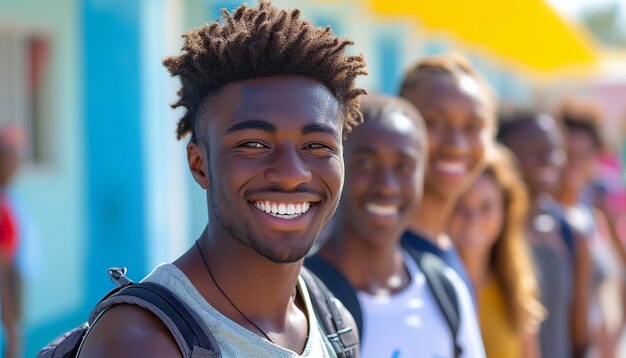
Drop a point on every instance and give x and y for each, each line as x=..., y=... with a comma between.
x=233, y=339
x=555, y=273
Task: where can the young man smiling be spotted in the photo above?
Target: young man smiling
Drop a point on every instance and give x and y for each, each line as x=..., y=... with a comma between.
x=269, y=97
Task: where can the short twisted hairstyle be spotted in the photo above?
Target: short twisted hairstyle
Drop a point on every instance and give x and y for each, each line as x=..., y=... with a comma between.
x=263, y=41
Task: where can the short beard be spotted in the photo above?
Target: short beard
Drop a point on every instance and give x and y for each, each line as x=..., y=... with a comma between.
x=248, y=238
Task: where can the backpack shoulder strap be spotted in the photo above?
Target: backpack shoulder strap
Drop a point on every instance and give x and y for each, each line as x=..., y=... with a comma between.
x=337, y=283
x=445, y=294
x=567, y=234
x=328, y=311
x=191, y=338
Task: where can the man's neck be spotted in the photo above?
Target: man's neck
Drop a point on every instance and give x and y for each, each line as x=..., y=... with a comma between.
x=385, y=270
x=263, y=290
x=568, y=197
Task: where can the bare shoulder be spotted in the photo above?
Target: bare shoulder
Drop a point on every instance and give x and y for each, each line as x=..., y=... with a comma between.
x=129, y=331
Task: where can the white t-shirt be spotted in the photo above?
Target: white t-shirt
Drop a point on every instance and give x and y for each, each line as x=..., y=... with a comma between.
x=410, y=323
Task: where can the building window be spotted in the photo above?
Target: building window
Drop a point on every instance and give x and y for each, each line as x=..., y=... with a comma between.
x=24, y=64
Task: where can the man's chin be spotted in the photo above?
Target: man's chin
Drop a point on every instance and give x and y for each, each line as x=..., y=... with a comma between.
x=285, y=258
x=285, y=255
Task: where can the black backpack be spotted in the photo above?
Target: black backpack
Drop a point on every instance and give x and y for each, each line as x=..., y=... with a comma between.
x=431, y=265
x=197, y=341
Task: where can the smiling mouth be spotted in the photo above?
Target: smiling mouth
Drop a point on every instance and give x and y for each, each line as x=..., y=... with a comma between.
x=451, y=168
x=381, y=210
x=283, y=210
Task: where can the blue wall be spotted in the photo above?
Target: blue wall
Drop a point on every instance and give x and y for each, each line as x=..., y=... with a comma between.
x=113, y=141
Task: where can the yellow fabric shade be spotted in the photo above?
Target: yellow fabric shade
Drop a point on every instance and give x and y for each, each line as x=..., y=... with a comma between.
x=528, y=32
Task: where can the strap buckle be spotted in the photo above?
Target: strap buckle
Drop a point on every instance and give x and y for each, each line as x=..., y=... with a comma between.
x=343, y=342
x=118, y=276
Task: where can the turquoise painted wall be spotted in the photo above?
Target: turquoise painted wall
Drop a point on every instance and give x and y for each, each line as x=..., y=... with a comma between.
x=52, y=193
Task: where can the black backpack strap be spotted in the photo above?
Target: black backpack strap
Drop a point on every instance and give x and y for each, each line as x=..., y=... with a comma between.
x=567, y=234
x=191, y=338
x=337, y=283
x=445, y=294
x=327, y=309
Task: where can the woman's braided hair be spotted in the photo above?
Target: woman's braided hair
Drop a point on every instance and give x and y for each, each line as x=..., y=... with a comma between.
x=263, y=41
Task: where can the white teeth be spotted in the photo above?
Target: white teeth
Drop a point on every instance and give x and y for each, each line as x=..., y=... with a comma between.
x=453, y=168
x=283, y=210
x=383, y=210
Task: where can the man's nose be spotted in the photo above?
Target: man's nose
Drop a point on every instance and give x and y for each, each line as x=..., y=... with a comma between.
x=288, y=169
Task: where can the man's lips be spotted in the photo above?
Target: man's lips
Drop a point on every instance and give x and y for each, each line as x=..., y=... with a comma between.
x=381, y=209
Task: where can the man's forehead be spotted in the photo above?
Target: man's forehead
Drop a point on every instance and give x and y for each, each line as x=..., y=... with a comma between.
x=277, y=97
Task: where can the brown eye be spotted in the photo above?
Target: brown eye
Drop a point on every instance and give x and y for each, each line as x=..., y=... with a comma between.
x=316, y=146
x=253, y=145
x=406, y=167
x=473, y=127
x=364, y=164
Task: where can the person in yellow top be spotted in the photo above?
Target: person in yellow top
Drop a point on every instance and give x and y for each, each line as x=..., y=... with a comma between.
x=488, y=228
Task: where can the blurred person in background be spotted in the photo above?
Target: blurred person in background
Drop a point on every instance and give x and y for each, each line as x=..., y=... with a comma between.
x=584, y=143
x=487, y=227
x=561, y=254
x=459, y=110
x=363, y=263
x=606, y=192
x=11, y=143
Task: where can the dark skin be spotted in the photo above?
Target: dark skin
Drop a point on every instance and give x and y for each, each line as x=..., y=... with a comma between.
x=275, y=139
x=459, y=117
x=579, y=172
x=385, y=162
x=540, y=148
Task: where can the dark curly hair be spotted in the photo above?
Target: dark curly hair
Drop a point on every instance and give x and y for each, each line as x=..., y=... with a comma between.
x=263, y=41
x=583, y=117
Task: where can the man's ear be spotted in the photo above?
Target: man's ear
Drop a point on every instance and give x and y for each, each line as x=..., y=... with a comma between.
x=198, y=164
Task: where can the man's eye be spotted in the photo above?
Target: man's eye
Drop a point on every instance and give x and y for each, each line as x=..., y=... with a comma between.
x=364, y=164
x=406, y=167
x=252, y=145
x=473, y=127
x=433, y=123
x=316, y=146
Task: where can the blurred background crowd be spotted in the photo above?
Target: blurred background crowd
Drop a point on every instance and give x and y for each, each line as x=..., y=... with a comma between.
x=102, y=180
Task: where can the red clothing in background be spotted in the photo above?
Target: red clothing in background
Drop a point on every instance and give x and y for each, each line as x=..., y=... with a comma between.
x=9, y=238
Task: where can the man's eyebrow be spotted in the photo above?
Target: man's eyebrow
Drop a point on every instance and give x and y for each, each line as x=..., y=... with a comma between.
x=317, y=128
x=364, y=150
x=253, y=124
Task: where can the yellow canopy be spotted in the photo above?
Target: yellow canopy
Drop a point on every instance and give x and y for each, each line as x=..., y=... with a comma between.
x=528, y=32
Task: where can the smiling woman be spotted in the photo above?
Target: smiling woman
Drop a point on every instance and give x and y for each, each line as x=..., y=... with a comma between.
x=459, y=110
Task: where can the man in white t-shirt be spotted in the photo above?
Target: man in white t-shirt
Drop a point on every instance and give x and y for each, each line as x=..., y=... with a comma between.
x=363, y=262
